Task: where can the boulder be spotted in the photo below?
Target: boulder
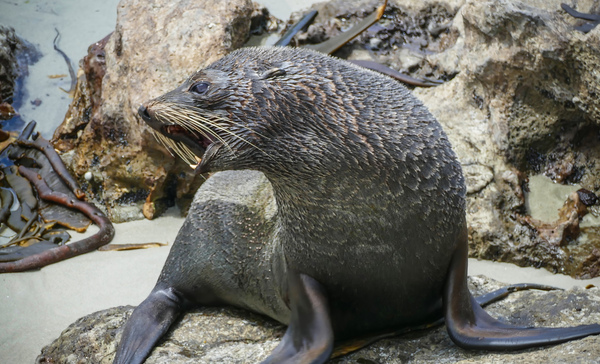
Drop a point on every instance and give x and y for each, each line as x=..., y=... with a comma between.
x=155, y=46
x=521, y=104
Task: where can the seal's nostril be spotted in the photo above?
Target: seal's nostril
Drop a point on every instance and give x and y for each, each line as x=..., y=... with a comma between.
x=143, y=112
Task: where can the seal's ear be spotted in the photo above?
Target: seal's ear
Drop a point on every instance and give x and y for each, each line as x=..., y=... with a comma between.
x=272, y=73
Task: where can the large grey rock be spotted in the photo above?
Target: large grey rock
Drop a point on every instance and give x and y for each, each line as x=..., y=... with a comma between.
x=227, y=335
x=520, y=105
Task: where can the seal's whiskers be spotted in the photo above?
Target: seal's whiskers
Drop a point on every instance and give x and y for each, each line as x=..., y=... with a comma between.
x=212, y=127
x=177, y=148
x=219, y=123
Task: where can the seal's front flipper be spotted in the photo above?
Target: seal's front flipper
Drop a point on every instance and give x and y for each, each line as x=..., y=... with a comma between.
x=148, y=322
x=471, y=327
x=309, y=336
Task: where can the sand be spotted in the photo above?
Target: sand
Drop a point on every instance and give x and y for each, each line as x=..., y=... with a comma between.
x=37, y=306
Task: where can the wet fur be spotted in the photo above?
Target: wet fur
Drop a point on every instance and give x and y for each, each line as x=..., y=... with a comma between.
x=368, y=229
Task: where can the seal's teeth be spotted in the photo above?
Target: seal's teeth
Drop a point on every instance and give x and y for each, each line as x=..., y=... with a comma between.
x=198, y=160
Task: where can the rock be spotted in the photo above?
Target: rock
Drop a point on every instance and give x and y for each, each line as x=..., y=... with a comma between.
x=515, y=107
x=8, y=62
x=228, y=335
x=531, y=67
x=155, y=46
x=15, y=56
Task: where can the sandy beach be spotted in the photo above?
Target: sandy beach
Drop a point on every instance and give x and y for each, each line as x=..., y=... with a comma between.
x=37, y=306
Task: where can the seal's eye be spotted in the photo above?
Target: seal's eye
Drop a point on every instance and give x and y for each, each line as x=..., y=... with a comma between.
x=199, y=88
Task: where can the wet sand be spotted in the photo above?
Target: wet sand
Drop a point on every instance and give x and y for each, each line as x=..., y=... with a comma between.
x=38, y=306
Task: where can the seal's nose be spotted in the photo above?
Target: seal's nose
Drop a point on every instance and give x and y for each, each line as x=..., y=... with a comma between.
x=143, y=112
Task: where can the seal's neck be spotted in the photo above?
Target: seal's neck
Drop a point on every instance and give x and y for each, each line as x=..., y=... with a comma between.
x=320, y=206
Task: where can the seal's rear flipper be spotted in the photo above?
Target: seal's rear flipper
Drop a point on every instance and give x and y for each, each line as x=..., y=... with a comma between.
x=309, y=336
x=471, y=327
x=148, y=322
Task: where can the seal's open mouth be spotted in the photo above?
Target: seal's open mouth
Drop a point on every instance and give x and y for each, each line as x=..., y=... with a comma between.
x=178, y=132
x=189, y=145
x=195, y=142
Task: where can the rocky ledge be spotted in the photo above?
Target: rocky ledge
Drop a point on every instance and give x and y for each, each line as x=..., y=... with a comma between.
x=227, y=335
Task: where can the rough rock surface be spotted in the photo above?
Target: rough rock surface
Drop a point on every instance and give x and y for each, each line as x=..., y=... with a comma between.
x=9, y=44
x=227, y=335
x=155, y=46
x=520, y=99
x=15, y=56
x=521, y=103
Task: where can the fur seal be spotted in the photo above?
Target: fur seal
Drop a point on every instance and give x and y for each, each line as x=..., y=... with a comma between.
x=367, y=232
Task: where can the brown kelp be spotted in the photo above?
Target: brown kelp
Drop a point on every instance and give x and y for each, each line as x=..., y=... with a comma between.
x=39, y=220
x=332, y=45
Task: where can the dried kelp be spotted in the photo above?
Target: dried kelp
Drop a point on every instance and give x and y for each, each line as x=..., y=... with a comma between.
x=39, y=224
x=333, y=44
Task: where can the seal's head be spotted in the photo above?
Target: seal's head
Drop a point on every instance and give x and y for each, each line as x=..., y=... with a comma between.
x=194, y=120
x=267, y=108
x=216, y=119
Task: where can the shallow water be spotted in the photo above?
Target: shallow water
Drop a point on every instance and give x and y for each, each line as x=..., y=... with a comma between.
x=545, y=198
x=80, y=24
